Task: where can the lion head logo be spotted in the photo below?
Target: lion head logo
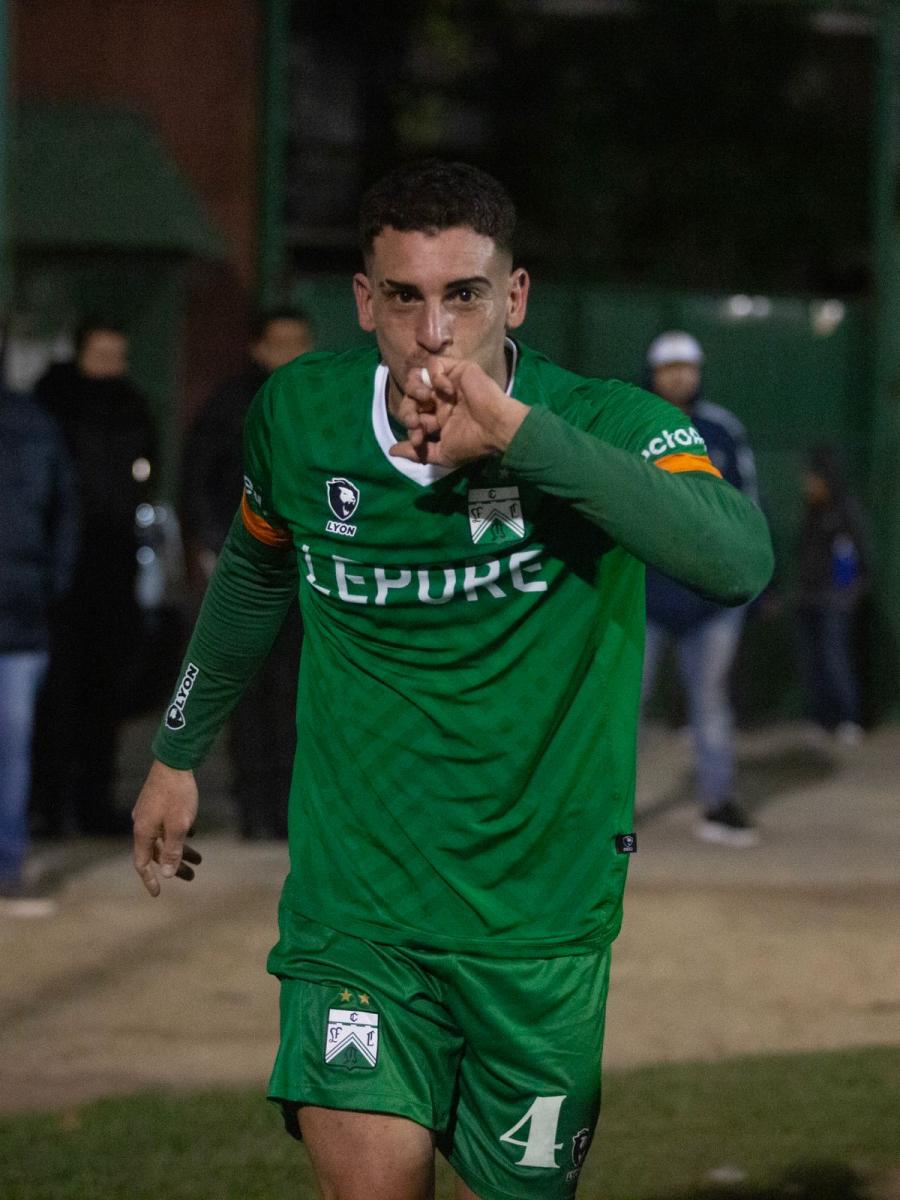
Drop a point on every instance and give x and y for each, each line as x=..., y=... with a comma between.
x=343, y=498
x=580, y=1144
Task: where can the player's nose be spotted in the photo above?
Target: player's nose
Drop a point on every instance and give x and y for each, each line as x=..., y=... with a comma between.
x=434, y=331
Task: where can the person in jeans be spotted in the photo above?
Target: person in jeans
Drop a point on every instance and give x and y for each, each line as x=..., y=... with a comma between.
x=110, y=434
x=37, y=552
x=705, y=634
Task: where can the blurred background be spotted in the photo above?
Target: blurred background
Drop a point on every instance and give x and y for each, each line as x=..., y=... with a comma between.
x=724, y=166
x=170, y=169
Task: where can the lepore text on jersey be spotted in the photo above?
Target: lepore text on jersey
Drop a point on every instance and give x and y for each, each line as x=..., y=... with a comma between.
x=469, y=686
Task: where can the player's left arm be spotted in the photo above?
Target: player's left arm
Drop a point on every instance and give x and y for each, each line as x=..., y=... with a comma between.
x=671, y=510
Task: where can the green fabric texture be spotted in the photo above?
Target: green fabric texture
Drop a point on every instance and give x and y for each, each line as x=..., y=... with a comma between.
x=471, y=669
x=692, y=526
x=509, y=1051
x=243, y=610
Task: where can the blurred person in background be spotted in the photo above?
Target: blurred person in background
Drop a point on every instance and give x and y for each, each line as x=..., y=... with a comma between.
x=261, y=734
x=832, y=577
x=110, y=435
x=38, y=544
x=706, y=635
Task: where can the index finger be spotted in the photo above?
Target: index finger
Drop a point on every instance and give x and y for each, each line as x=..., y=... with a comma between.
x=417, y=385
x=424, y=383
x=142, y=858
x=172, y=849
x=442, y=375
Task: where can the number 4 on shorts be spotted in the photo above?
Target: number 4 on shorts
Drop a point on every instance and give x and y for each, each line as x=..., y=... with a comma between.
x=541, y=1144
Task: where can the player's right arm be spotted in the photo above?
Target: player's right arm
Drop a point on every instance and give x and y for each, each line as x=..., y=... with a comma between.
x=248, y=596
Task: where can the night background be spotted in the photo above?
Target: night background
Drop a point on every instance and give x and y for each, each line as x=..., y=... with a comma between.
x=726, y=167
x=688, y=144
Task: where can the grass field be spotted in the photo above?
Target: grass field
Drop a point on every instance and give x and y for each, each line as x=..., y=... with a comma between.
x=822, y=1126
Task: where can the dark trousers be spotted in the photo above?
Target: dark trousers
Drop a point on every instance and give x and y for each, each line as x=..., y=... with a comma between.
x=262, y=737
x=825, y=639
x=80, y=713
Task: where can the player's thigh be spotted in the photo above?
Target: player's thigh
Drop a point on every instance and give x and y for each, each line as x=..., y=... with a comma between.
x=529, y=1082
x=368, y=1156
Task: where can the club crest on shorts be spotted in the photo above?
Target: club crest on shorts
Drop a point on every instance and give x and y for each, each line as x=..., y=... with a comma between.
x=343, y=500
x=495, y=514
x=581, y=1143
x=351, y=1039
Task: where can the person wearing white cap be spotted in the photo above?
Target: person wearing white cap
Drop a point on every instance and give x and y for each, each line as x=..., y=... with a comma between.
x=706, y=635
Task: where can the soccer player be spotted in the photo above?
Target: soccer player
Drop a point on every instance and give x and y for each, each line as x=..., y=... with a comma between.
x=468, y=524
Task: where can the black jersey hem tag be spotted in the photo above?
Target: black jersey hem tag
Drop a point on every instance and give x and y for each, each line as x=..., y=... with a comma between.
x=626, y=843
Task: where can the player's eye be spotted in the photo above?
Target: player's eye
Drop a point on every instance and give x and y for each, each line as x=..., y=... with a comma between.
x=465, y=295
x=403, y=295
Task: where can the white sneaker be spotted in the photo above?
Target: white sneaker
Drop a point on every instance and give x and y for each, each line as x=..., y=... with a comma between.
x=848, y=733
x=728, y=826
x=27, y=907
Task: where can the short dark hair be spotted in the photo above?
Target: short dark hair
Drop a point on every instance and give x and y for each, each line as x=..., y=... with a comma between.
x=262, y=320
x=429, y=195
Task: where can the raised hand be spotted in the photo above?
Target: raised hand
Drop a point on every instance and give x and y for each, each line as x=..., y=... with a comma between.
x=455, y=412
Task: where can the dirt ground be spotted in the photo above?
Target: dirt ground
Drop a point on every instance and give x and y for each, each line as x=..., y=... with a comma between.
x=789, y=946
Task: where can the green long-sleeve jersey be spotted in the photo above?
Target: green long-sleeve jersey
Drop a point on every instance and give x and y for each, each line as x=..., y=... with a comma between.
x=468, y=694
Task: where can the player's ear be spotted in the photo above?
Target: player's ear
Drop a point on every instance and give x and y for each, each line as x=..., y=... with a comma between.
x=362, y=292
x=517, y=297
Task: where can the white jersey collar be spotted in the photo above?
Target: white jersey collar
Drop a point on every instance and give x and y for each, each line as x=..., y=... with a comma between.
x=421, y=473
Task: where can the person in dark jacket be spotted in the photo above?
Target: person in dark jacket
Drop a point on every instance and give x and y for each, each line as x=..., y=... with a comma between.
x=832, y=577
x=110, y=435
x=38, y=545
x=706, y=635
x=261, y=736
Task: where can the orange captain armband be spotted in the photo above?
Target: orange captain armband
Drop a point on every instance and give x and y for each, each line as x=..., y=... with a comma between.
x=260, y=528
x=676, y=463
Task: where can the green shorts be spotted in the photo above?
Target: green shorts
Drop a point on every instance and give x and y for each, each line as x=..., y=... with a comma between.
x=501, y=1057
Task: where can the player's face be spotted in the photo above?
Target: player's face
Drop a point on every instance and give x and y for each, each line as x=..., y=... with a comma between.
x=449, y=293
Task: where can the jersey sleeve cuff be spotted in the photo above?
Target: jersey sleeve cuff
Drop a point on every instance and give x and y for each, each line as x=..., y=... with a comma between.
x=178, y=760
x=527, y=439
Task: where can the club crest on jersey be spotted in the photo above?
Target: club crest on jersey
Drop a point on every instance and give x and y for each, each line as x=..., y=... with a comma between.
x=495, y=514
x=343, y=500
x=351, y=1039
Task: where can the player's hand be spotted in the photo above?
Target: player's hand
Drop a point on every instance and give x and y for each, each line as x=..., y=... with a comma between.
x=455, y=412
x=165, y=811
